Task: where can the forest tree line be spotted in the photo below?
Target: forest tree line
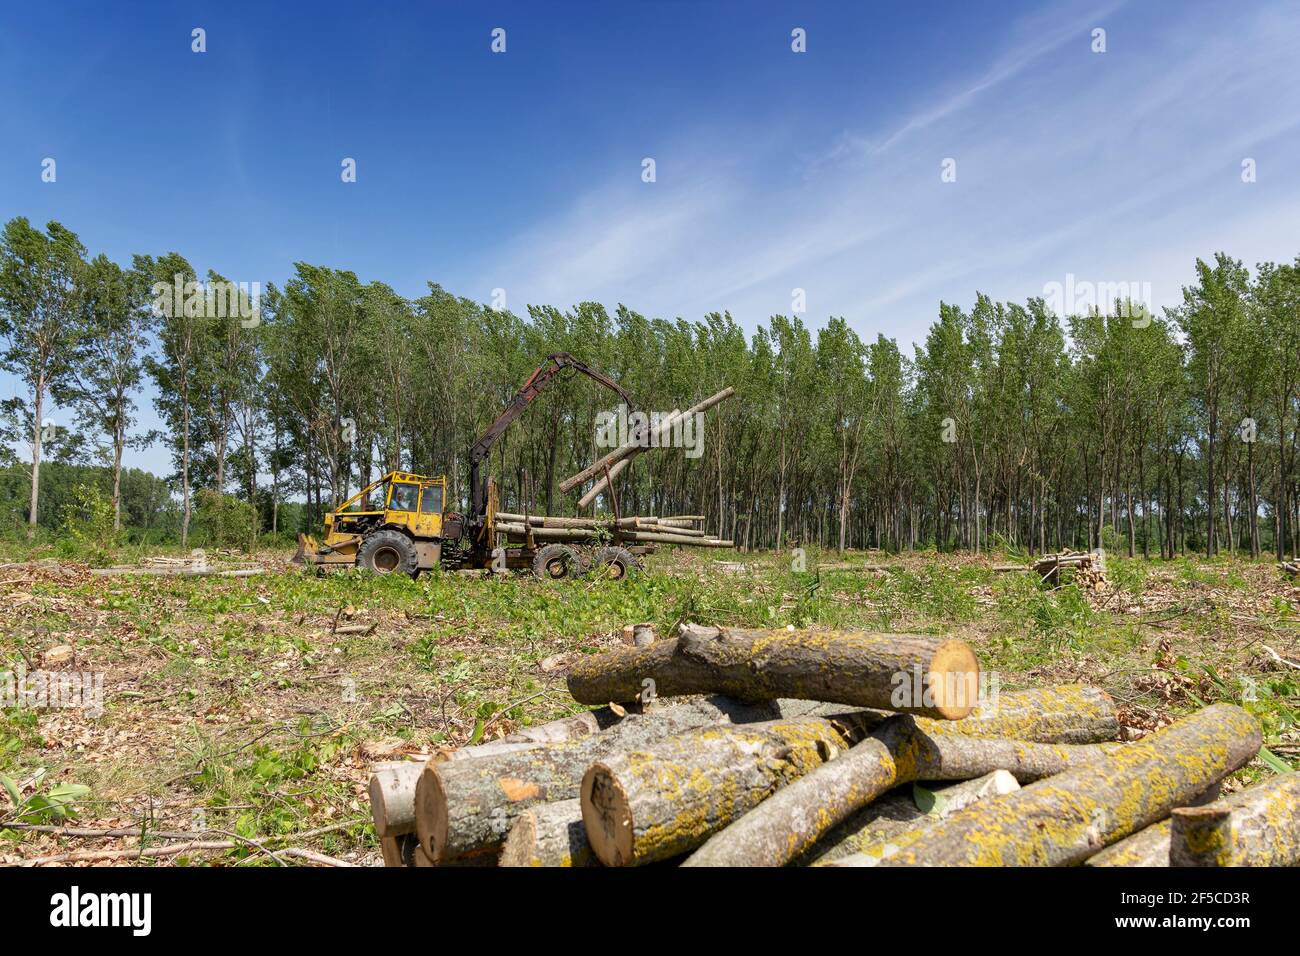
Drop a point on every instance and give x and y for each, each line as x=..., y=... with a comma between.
x=1008, y=425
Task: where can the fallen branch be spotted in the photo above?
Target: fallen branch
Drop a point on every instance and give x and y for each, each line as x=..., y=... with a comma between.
x=90, y=856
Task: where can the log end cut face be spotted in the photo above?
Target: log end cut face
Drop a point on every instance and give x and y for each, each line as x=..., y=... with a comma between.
x=953, y=680
x=431, y=813
x=519, y=845
x=378, y=809
x=607, y=815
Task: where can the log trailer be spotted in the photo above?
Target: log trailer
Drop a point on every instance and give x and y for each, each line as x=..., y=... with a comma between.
x=411, y=530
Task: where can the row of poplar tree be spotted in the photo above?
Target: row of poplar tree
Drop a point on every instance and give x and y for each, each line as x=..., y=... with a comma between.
x=1008, y=425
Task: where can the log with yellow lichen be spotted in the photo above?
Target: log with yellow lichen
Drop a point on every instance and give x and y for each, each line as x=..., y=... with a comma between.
x=912, y=673
x=1258, y=826
x=1148, y=847
x=1062, y=714
x=903, y=810
x=655, y=803
x=902, y=750
x=1068, y=818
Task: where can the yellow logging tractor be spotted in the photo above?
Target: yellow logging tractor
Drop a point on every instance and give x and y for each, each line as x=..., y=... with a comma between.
x=409, y=530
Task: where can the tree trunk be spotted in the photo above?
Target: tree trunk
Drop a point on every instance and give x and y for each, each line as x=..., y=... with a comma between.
x=185, y=470
x=38, y=409
x=392, y=785
x=119, y=442
x=1065, y=820
x=905, y=672
x=1209, y=472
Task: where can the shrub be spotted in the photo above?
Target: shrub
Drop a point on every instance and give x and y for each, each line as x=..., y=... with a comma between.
x=225, y=521
x=86, y=525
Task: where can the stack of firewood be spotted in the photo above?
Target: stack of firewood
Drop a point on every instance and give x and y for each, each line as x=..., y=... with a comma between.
x=1089, y=569
x=834, y=748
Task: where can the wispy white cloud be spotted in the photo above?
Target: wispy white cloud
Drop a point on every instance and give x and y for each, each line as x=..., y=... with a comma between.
x=1044, y=34
x=1120, y=166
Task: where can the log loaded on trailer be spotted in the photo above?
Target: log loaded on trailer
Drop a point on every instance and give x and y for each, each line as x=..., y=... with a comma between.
x=409, y=529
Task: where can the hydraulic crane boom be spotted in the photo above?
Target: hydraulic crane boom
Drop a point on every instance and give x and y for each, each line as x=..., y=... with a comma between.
x=536, y=384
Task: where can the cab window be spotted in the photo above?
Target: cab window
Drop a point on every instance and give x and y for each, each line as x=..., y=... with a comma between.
x=431, y=500
x=402, y=497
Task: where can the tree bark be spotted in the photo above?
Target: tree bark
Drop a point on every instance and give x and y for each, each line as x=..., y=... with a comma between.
x=38, y=411
x=1149, y=847
x=1064, y=714
x=1070, y=817
x=1258, y=826
x=467, y=807
x=903, y=672
x=549, y=835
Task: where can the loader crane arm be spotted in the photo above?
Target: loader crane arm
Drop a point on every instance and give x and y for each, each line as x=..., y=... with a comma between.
x=537, y=383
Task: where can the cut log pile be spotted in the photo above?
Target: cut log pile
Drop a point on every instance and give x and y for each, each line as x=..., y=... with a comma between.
x=520, y=528
x=729, y=747
x=1089, y=569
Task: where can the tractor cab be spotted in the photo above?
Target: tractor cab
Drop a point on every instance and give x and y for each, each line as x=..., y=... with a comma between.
x=414, y=503
x=395, y=523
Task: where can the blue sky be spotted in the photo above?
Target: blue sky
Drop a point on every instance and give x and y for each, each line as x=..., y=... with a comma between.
x=775, y=170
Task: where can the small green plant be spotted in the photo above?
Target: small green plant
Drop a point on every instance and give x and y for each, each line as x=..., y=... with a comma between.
x=1126, y=575
x=46, y=804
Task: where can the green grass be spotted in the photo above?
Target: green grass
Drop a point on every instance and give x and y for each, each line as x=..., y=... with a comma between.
x=236, y=700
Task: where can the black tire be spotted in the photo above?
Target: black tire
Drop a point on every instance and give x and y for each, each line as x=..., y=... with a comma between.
x=615, y=563
x=387, y=552
x=555, y=562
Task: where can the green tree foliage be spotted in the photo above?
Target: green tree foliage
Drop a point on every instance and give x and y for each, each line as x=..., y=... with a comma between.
x=40, y=290
x=1006, y=425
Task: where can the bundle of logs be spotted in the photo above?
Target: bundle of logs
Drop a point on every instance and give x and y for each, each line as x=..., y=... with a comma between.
x=195, y=566
x=657, y=432
x=834, y=748
x=680, y=529
x=1089, y=568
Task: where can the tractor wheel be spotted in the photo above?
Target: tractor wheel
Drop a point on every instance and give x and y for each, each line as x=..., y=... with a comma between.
x=615, y=563
x=555, y=562
x=387, y=552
